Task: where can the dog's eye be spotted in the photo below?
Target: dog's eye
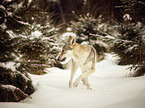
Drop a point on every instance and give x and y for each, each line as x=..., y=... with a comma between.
x=63, y=50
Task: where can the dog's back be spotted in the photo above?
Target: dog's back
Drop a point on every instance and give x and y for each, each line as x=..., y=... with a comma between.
x=84, y=54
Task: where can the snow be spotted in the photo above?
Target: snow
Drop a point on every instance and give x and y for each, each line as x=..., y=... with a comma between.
x=3, y=25
x=132, y=48
x=13, y=88
x=9, y=87
x=2, y=7
x=9, y=65
x=67, y=34
x=24, y=23
x=111, y=88
x=127, y=17
x=36, y=34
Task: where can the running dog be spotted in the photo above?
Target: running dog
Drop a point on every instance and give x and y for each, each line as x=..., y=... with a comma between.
x=83, y=56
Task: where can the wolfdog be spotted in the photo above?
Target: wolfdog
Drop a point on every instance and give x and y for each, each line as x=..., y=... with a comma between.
x=83, y=56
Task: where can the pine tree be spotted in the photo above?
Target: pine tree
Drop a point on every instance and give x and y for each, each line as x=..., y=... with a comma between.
x=32, y=56
x=50, y=38
x=130, y=45
x=40, y=48
x=84, y=27
x=15, y=84
x=135, y=8
x=93, y=31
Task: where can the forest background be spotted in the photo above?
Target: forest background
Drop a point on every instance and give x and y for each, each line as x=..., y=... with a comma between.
x=30, y=36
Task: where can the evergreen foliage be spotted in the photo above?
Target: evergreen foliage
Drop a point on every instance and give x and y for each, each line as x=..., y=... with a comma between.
x=33, y=56
x=50, y=38
x=40, y=48
x=84, y=27
x=135, y=8
x=130, y=45
x=93, y=31
x=15, y=85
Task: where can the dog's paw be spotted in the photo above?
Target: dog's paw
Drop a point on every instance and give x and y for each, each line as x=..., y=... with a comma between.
x=70, y=85
x=89, y=88
x=75, y=84
x=84, y=81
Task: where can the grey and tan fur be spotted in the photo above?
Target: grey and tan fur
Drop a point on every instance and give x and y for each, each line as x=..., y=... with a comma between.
x=83, y=56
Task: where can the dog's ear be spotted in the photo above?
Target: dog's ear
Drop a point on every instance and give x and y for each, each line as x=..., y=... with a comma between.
x=71, y=46
x=72, y=40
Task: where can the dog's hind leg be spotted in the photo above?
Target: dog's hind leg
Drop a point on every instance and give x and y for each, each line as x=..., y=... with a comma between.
x=73, y=71
x=84, y=79
x=85, y=82
x=84, y=76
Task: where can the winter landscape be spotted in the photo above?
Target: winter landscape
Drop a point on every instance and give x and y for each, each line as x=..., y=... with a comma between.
x=33, y=33
x=111, y=88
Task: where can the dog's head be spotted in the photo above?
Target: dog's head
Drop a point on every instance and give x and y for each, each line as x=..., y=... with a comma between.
x=66, y=50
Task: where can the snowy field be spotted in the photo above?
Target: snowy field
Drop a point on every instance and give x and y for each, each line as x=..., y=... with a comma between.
x=110, y=89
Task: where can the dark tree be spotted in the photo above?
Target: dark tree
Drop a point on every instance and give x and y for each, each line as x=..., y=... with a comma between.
x=131, y=45
x=15, y=84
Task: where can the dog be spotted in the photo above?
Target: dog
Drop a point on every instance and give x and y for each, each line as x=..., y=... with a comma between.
x=83, y=56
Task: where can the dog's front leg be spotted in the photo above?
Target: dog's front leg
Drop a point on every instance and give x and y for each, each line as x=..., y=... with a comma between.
x=82, y=76
x=75, y=84
x=74, y=68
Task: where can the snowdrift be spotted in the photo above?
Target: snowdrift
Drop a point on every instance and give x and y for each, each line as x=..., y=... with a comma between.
x=111, y=88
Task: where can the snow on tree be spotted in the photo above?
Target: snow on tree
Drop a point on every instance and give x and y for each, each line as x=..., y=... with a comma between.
x=15, y=84
x=9, y=75
x=39, y=48
x=135, y=9
x=93, y=31
x=51, y=39
x=130, y=45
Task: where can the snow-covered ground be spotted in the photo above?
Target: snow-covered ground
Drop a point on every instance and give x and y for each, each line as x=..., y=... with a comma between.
x=110, y=89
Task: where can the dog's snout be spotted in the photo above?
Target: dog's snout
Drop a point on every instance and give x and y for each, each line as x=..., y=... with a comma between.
x=61, y=59
x=58, y=59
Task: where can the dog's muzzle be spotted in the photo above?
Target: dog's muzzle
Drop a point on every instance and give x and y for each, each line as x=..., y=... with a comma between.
x=61, y=60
